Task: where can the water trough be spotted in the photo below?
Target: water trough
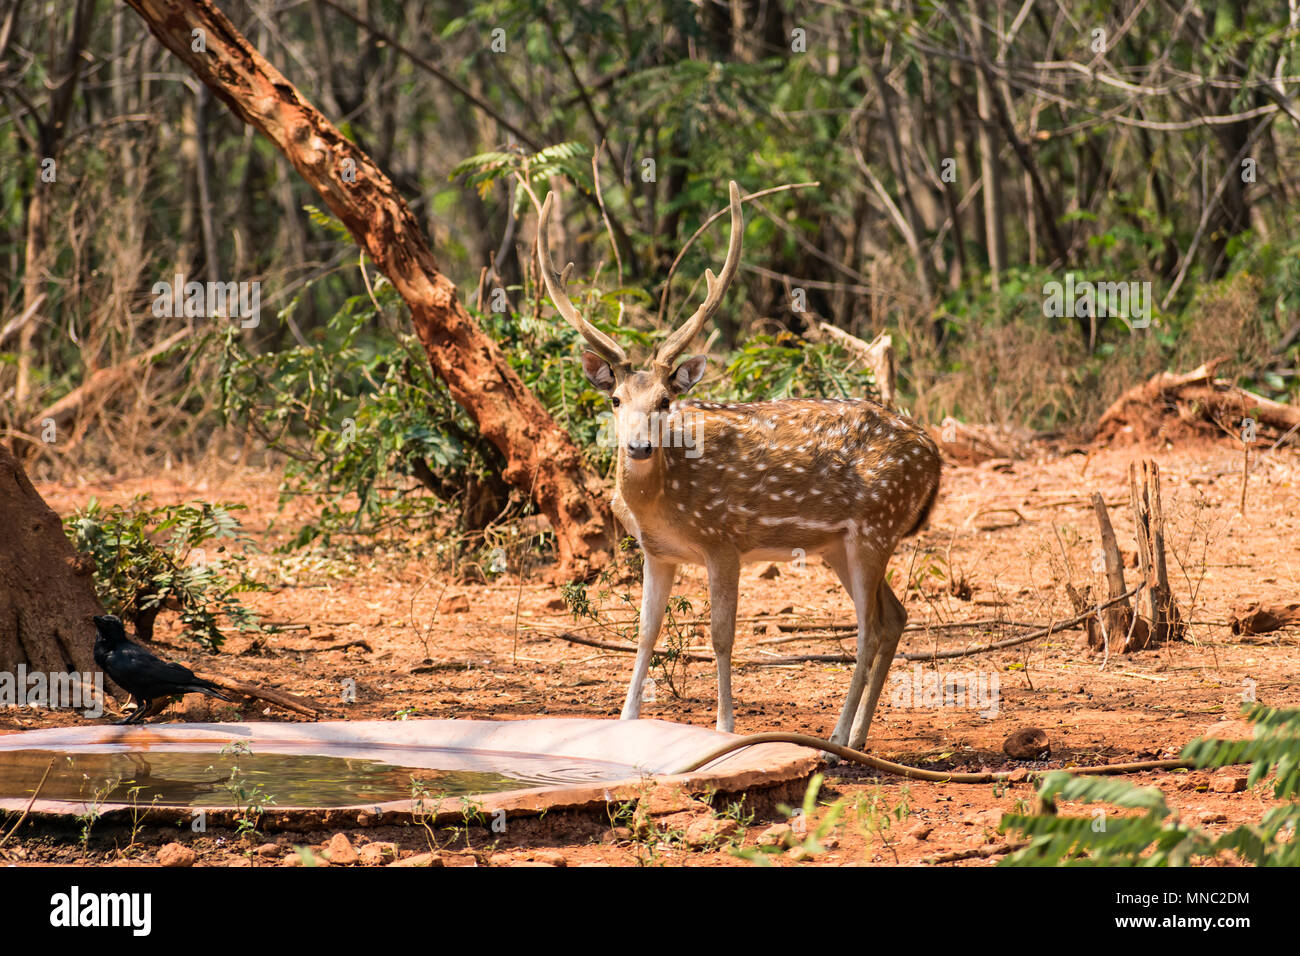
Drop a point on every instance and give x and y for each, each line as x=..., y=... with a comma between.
x=336, y=773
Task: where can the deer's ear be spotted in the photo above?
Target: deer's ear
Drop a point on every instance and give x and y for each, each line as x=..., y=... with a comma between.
x=688, y=374
x=598, y=371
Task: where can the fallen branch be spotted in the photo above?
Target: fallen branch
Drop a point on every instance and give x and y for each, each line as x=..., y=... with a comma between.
x=104, y=380
x=299, y=705
x=706, y=657
x=878, y=355
x=983, y=852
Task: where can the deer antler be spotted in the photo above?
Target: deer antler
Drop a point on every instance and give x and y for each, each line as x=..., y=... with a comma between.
x=557, y=286
x=676, y=343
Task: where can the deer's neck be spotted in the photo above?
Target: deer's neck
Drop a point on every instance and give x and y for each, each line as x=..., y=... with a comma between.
x=641, y=483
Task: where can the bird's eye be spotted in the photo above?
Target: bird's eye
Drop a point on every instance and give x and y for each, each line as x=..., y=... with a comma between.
x=615, y=402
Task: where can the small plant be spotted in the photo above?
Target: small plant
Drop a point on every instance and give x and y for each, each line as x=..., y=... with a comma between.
x=875, y=819
x=671, y=662
x=811, y=844
x=91, y=810
x=250, y=801
x=138, y=813
x=1154, y=836
x=148, y=559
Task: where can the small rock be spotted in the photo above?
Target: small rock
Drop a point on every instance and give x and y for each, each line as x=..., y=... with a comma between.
x=550, y=857
x=1019, y=775
x=1227, y=783
x=454, y=604
x=778, y=834
x=770, y=572
x=377, y=854
x=176, y=854
x=990, y=819
x=340, y=850
x=1230, y=730
x=500, y=859
x=1211, y=817
x=798, y=854
x=293, y=859
x=270, y=850
x=707, y=831
x=617, y=835
x=920, y=832
x=421, y=859
x=1027, y=744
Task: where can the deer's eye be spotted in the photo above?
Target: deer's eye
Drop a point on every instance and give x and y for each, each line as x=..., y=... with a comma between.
x=614, y=401
x=665, y=402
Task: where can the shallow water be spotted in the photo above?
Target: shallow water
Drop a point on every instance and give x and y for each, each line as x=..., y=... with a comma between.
x=178, y=778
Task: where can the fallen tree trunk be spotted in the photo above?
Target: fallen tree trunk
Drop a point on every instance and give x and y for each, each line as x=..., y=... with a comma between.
x=541, y=461
x=1198, y=401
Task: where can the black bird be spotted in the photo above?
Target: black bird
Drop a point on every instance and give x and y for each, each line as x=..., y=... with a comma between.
x=141, y=674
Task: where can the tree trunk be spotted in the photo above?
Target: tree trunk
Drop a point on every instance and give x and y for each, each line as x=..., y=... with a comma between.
x=47, y=590
x=541, y=460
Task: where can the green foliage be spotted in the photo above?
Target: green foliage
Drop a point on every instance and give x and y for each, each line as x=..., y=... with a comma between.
x=1155, y=836
x=371, y=437
x=786, y=366
x=358, y=416
x=562, y=159
x=152, y=558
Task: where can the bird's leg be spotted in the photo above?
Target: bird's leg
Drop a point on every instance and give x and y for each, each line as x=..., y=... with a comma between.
x=143, y=709
x=127, y=720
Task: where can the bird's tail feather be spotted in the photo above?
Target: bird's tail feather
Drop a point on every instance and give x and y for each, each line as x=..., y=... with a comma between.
x=211, y=691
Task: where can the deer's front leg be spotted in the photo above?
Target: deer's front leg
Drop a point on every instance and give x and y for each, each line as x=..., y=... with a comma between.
x=659, y=576
x=724, y=585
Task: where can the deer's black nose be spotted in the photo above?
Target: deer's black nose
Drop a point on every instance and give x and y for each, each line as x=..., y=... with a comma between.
x=639, y=450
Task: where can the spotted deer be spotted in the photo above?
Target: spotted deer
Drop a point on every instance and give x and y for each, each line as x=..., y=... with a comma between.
x=721, y=485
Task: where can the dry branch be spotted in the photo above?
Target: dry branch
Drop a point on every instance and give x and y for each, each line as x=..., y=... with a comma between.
x=299, y=705
x=706, y=657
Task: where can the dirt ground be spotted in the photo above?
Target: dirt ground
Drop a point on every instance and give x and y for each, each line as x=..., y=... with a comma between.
x=1004, y=540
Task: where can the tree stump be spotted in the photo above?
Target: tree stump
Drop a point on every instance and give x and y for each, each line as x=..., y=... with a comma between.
x=1112, y=632
x=1156, y=602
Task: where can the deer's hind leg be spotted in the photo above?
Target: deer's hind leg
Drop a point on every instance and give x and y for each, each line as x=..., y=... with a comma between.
x=855, y=571
x=890, y=623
